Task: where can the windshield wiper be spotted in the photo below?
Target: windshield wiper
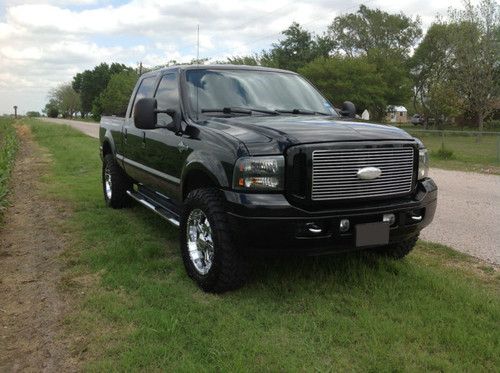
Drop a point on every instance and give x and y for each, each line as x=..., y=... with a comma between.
x=301, y=111
x=239, y=110
x=227, y=110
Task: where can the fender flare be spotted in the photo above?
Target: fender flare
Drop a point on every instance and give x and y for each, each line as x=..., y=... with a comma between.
x=108, y=141
x=204, y=162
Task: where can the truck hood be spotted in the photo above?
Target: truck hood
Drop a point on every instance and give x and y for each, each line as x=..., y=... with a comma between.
x=273, y=134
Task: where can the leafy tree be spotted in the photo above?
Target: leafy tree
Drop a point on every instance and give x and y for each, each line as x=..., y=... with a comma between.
x=115, y=98
x=459, y=59
x=476, y=52
x=66, y=99
x=33, y=114
x=396, y=76
x=442, y=102
x=91, y=83
x=51, y=109
x=298, y=48
x=253, y=60
x=349, y=79
x=367, y=29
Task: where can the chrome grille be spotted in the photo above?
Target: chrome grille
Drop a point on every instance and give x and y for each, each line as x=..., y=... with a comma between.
x=334, y=173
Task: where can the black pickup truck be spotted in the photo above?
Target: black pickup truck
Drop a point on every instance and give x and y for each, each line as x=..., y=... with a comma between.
x=249, y=160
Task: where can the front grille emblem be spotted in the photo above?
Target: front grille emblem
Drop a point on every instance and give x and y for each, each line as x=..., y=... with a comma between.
x=369, y=173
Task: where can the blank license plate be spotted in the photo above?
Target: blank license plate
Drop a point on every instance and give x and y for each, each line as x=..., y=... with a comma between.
x=372, y=234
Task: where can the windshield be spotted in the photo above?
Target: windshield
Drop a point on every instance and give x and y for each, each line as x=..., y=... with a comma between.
x=210, y=90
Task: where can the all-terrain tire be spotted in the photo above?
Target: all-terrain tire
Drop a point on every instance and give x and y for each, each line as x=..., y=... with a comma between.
x=229, y=269
x=115, y=192
x=398, y=250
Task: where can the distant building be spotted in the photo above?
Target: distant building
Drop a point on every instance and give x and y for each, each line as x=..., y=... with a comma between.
x=365, y=115
x=396, y=114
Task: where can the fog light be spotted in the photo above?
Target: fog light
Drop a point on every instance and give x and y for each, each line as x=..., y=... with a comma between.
x=314, y=228
x=344, y=225
x=389, y=218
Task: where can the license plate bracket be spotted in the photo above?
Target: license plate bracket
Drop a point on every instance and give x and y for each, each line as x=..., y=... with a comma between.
x=372, y=234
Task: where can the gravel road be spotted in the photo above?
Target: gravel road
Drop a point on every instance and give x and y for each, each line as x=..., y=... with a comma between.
x=468, y=213
x=88, y=128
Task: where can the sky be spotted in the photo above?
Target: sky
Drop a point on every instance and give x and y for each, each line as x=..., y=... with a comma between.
x=45, y=43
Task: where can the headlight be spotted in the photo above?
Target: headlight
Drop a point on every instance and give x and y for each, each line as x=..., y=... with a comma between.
x=423, y=163
x=259, y=173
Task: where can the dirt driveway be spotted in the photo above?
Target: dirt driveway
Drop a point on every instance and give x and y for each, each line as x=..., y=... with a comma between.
x=468, y=214
x=90, y=129
x=32, y=307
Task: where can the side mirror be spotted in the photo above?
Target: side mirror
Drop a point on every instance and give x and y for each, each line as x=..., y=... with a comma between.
x=175, y=125
x=145, y=113
x=348, y=109
x=146, y=116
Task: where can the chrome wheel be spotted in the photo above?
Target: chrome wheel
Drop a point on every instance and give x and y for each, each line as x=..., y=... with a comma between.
x=107, y=183
x=199, y=241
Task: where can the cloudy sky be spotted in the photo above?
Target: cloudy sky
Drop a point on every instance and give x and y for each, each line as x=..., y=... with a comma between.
x=44, y=43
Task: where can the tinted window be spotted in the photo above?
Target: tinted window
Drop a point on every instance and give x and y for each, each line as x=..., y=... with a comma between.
x=167, y=96
x=215, y=89
x=145, y=90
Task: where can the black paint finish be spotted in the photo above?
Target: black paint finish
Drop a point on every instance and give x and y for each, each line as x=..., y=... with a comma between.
x=208, y=147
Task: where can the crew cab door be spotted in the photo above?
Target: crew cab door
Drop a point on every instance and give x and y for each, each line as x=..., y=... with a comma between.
x=166, y=150
x=134, y=139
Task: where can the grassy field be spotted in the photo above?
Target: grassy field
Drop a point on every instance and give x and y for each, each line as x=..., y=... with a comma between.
x=436, y=310
x=8, y=147
x=468, y=154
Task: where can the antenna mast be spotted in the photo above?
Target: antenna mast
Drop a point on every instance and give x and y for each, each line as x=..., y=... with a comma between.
x=198, y=45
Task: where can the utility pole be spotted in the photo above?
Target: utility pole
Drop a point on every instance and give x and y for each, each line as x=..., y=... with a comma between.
x=140, y=68
x=15, y=111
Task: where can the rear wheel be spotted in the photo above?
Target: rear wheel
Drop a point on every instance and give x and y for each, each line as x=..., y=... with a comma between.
x=115, y=183
x=398, y=250
x=208, y=253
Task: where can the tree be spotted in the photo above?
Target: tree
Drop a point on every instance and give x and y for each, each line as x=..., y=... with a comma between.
x=114, y=99
x=253, y=60
x=298, y=48
x=358, y=33
x=396, y=76
x=33, y=114
x=476, y=56
x=66, y=99
x=343, y=78
x=91, y=83
x=51, y=109
x=459, y=59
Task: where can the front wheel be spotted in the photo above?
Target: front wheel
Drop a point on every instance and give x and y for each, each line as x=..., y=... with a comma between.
x=207, y=250
x=398, y=250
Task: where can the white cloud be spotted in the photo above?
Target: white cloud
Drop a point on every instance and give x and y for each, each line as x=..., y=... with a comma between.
x=44, y=43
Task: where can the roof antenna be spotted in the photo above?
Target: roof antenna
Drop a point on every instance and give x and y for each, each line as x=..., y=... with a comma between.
x=198, y=46
x=197, y=63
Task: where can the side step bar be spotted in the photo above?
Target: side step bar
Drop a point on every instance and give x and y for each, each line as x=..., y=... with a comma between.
x=156, y=207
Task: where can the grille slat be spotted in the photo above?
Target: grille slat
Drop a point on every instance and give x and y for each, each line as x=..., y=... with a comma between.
x=334, y=173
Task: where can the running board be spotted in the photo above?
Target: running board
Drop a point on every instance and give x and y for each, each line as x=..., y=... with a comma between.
x=151, y=204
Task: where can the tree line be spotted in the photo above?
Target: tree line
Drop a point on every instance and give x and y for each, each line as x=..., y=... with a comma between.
x=371, y=57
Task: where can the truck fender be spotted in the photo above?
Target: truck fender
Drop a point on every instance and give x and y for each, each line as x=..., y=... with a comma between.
x=108, y=144
x=208, y=165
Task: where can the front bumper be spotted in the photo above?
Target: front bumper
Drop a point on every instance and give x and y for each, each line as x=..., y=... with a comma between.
x=268, y=223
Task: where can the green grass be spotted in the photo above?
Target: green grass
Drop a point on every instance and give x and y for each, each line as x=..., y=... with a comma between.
x=468, y=154
x=437, y=310
x=8, y=147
